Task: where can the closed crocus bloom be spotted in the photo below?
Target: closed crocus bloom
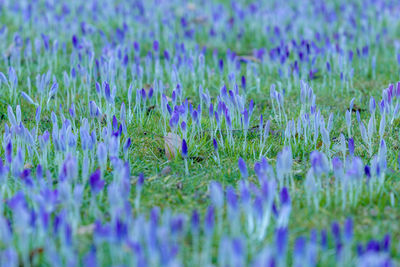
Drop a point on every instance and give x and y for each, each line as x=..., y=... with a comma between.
x=243, y=168
x=184, y=149
x=95, y=181
x=284, y=196
x=195, y=220
x=348, y=229
x=231, y=198
x=215, y=145
x=281, y=239
x=372, y=105
x=351, y=146
x=140, y=181
x=336, y=231
x=209, y=220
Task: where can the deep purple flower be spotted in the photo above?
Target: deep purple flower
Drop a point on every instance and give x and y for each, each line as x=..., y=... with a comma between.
x=166, y=55
x=324, y=239
x=127, y=144
x=244, y=83
x=136, y=46
x=281, y=239
x=367, y=171
x=209, y=220
x=17, y=201
x=121, y=229
x=351, y=146
x=373, y=246
x=231, y=197
x=173, y=122
x=96, y=183
x=195, y=220
x=211, y=110
x=75, y=41
x=183, y=126
x=155, y=46
x=221, y=65
x=336, y=231
x=184, y=149
x=90, y=259
x=237, y=248
x=285, y=197
x=299, y=246
x=386, y=243
x=72, y=111
x=243, y=168
x=140, y=181
x=115, y=123
x=245, y=118
x=348, y=229
x=9, y=152
x=176, y=224
x=143, y=94
x=39, y=172
x=215, y=144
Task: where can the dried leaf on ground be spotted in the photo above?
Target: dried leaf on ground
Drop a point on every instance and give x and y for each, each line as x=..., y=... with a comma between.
x=172, y=145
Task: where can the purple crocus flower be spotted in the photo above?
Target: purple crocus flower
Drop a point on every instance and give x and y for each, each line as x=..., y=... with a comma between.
x=244, y=83
x=140, y=181
x=173, y=122
x=243, y=168
x=183, y=126
x=96, y=183
x=367, y=171
x=373, y=246
x=221, y=65
x=211, y=110
x=336, y=231
x=351, y=146
x=166, y=55
x=215, y=144
x=184, y=149
x=285, y=197
x=90, y=259
x=127, y=144
x=72, y=111
x=209, y=220
x=195, y=220
x=348, y=229
x=155, y=46
x=324, y=239
x=281, y=239
x=231, y=197
x=9, y=152
x=75, y=41
x=299, y=246
x=386, y=243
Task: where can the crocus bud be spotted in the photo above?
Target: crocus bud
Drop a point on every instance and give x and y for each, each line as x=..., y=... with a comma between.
x=348, y=229
x=215, y=144
x=243, y=168
x=281, y=239
x=96, y=183
x=184, y=149
x=351, y=146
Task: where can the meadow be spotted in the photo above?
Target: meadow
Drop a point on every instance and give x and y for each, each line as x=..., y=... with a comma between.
x=200, y=133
